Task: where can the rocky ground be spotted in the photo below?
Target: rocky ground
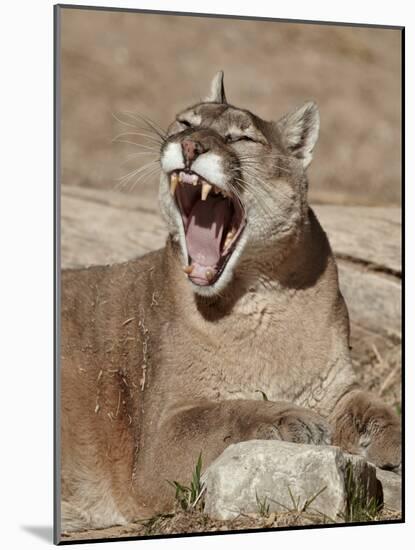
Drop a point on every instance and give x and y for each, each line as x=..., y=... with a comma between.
x=180, y=522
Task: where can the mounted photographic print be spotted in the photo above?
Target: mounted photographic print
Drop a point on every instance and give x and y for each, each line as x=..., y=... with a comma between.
x=228, y=278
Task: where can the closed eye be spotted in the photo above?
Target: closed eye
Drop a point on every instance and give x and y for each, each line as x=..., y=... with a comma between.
x=234, y=139
x=184, y=122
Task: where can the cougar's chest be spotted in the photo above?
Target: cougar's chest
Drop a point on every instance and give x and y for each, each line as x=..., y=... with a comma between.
x=251, y=350
x=255, y=350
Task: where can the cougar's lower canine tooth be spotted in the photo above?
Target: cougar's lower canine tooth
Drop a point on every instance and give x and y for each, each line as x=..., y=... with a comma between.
x=174, y=180
x=229, y=237
x=188, y=269
x=206, y=187
x=209, y=274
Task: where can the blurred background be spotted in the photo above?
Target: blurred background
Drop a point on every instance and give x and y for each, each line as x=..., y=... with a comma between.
x=158, y=64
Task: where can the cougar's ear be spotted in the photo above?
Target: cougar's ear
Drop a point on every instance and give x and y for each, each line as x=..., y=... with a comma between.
x=299, y=131
x=217, y=91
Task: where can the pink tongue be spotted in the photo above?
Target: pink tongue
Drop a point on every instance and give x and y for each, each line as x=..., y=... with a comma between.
x=204, y=234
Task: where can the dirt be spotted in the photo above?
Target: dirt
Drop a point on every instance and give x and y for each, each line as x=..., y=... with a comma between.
x=196, y=522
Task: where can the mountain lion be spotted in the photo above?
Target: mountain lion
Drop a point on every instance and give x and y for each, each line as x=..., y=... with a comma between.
x=166, y=356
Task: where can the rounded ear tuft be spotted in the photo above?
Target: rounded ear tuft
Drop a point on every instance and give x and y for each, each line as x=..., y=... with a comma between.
x=217, y=90
x=299, y=131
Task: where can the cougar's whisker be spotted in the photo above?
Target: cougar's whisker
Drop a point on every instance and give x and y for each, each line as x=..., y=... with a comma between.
x=137, y=145
x=146, y=136
x=259, y=195
x=272, y=154
x=123, y=122
x=261, y=182
x=141, y=153
x=139, y=169
x=122, y=181
x=150, y=123
x=254, y=164
x=146, y=176
x=265, y=184
x=128, y=181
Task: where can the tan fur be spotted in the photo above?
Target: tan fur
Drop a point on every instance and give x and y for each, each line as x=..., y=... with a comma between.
x=155, y=372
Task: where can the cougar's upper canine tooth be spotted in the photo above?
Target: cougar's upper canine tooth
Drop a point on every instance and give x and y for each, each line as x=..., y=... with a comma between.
x=188, y=269
x=206, y=187
x=174, y=180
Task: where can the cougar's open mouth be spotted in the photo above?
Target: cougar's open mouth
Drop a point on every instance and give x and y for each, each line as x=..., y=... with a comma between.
x=213, y=220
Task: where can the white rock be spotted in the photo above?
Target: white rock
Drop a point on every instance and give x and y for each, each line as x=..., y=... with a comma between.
x=256, y=470
x=392, y=489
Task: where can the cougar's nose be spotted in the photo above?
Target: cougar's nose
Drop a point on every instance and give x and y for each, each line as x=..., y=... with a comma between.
x=191, y=149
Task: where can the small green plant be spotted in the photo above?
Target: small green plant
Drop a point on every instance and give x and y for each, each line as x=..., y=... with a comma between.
x=304, y=509
x=359, y=507
x=262, y=505
x=307, y=503
x=189, y=496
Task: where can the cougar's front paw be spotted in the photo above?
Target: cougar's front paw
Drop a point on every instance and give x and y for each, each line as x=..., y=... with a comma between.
x=381, y=445
x=297, y=426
